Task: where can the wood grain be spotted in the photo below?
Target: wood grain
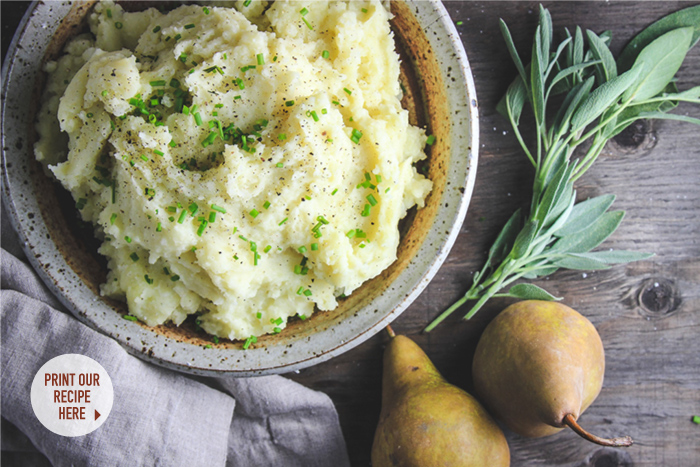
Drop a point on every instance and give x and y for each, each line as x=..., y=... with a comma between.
x=652, y=383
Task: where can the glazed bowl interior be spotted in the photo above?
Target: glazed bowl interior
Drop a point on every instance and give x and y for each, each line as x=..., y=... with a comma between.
x=439, y=95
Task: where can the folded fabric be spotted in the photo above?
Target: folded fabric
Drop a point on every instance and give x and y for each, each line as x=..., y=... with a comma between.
x=159, y=417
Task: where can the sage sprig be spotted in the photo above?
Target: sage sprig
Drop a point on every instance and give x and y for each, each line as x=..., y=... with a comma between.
x=599, y=97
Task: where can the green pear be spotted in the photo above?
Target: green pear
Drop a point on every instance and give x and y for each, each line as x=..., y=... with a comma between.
x=427, y=422
x=537, y=367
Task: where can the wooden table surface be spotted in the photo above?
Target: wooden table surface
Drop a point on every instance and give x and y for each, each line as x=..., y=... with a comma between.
x=647, y=312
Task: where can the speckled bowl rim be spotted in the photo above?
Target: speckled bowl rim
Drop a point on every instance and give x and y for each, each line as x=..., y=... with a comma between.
x=19, y=71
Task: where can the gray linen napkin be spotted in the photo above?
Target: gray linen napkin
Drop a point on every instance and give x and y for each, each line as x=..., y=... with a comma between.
x=159, y=417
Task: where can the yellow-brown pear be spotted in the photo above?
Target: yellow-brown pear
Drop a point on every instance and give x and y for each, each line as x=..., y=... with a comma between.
x=425, y=421
x=537, y=367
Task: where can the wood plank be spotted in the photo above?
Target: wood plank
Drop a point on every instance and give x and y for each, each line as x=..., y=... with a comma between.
x=652, y=384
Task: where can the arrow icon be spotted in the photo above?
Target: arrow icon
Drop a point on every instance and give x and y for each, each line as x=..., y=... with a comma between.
x=97, y=414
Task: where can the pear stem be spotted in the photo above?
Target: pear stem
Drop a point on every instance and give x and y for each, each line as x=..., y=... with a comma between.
x=390, y=331
x=624, y=441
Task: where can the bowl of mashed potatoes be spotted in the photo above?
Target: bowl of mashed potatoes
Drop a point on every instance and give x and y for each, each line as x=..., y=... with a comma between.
x=248, y=188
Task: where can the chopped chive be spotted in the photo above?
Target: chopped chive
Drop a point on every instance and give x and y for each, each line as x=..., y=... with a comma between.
x=109, y=13
x=212, y=217
x=364, y=10
x=193, y=208
x=160, y=153
x=201, y=228
x=372, y=200
x=130, y=318
x=283, y=221
x=246, y=3
x=127, y=239
x=172, y=144
x=261, y=59
x=181, y=219
x=205, y=10
x=366, y=211
x=325, y=54
x=198, y=119
x=281, y=136
x=189, y=26
x=81, y=204
x=254, y=213
x=218, y=106
x=334, y=192
x=118, y=25
x=314, y=115
x=324, y=111
x=104, y=93
x=300, y=290
x=159, y=227
x=251, y=339
x=175, y=278
x=307, y=292
x=177, y=37
x=459, y=23
x=279, y=165
x=113, y=218
x=355, y=137
x=314, y=247
x=307, y=23
x=267, y=248
x=302, y=249
x=218, y=209
x=134, y=257
x=266, y=205
x=349, y=92
x=303, y=11
x=159, y=82
x=289, y=103
x=696, y=419
x=351, y=233
x=258, y=315
x=148, y=279
x=243, y=238
x=430, y=140
x=335, y=102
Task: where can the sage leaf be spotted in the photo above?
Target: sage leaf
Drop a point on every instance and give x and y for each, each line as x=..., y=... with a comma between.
x=660, y=61
x=590, y=237
x=528, y=292
x=571, y=104
x=607, y=69
x=616, y=256
x=665, y=116
x=584, y=214
x=504, y=242
x=566, y=72
x=578, y=46
x=688, y=17
x=505, y=32
x=515, y=100
x=553, y=193
x=524, y=240
x=572, y=261
x=602, y=98
x=537, y=67
x=540, y=272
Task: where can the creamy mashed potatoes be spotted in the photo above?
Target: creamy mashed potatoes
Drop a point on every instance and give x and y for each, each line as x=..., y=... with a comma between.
x=247, y=164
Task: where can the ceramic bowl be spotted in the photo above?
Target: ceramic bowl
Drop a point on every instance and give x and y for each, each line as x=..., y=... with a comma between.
x=440, y=96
